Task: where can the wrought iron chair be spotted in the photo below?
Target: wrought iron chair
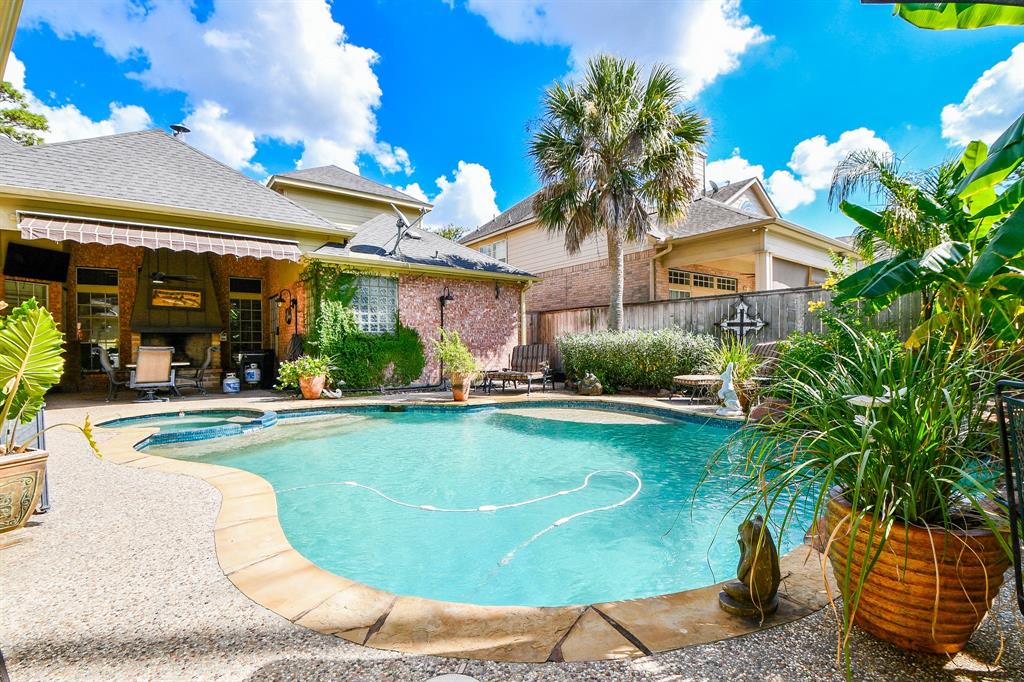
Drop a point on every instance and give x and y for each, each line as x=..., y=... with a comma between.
x=195, y=379
x=1010, y=411
x=113, y=383
x=152, y=372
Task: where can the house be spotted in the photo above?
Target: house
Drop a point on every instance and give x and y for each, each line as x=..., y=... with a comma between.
x=733, y=239
x=140, y=239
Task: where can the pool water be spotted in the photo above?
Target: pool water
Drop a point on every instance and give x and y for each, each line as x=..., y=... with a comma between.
x=627, y=531
x=186, y=421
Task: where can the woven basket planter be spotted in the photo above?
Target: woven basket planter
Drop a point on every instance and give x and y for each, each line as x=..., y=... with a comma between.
x=929, y=589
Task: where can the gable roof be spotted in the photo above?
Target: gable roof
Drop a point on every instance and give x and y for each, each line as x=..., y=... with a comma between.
x=7, y=144
x=375, y=239
x=707, y=215
x=149, y=167
x=725, y=193
x=339, y=178
x=520, y=211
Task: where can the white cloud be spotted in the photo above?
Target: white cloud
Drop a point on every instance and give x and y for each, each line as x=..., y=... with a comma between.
x=467, y=200
x=282, y=71
x=812, y=164
x=993, y=102
x=702, y=40
x=733, y=169
x=67, y=122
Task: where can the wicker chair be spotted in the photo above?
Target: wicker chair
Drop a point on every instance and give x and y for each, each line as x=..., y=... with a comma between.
x=1010, y=411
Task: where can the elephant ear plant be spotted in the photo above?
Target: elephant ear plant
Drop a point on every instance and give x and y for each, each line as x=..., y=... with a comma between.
x=892, y=449
x=31, y=363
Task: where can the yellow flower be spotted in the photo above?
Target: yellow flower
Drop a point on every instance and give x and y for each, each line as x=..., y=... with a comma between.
x=815, y=306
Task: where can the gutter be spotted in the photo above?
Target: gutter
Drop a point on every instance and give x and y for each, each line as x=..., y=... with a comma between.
x=415, y=268
x=508, y=228
x=319, y=187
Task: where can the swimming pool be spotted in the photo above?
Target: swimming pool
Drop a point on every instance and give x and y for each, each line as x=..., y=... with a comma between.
x=498, y=507
x=196, y=425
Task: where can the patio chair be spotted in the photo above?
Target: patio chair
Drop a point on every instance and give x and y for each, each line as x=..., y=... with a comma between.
x=152, y=372
x=1010, y=411
x=529, y=363
x=194, y=378
x=113, y=383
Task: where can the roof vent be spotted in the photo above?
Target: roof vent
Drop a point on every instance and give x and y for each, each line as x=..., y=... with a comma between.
x=179, y=130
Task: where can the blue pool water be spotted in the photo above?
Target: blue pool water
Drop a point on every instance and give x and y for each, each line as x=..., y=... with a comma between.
x=643, y=543
x=186, y=420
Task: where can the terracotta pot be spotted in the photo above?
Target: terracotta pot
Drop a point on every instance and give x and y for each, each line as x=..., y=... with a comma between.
x=461, y=384
x=312, y=387
x=21, y=484
x=922, y=575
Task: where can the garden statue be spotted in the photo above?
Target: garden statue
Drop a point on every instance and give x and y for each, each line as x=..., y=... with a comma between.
x=590, y=385
x=728, y=394
x=756, y=591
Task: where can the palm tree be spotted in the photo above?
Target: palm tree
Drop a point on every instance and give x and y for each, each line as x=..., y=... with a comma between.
x=615, y=154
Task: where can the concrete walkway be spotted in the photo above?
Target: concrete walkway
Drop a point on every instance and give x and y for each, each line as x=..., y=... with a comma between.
x=120, y=582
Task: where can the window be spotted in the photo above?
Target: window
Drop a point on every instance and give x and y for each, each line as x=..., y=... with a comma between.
x=682, y=282
x=18, y=291
x=675, y=294
x=702, y=280
x=497, y=250
x=375, y=304
x=99, y=317
x=246, y=313
x=726, y=283
x=679, y=277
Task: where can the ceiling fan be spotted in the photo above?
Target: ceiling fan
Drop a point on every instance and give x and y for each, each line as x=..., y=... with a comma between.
x=162, y=277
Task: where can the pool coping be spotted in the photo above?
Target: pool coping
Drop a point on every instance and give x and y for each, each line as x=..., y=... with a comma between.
x=255, y=555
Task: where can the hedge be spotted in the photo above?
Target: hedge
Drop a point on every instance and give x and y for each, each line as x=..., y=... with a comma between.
x=642, y=360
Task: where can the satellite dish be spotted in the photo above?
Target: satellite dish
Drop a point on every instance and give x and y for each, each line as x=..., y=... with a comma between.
x=179, y=129
x=714, y=186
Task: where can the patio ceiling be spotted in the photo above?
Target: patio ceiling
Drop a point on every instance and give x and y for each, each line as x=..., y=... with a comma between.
x=83, y=230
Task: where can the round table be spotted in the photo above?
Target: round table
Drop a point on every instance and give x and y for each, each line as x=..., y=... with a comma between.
x=697, y=383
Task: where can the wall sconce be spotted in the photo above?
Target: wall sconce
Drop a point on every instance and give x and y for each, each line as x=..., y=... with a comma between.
x=444, y=299
x=292, y=311
x=497, y=290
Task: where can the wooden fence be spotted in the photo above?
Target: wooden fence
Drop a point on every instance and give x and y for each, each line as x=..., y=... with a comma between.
x=784, y=311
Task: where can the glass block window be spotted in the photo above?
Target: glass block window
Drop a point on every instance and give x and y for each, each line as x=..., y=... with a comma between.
x=246, y=314
x=675, y=294
x=99, y=317
x=702, y=280
x=375, y=304
x=726, y=283
x=679, y=277
x=18, y=291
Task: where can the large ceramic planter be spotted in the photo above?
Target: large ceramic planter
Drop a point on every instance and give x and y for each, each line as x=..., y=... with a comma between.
x=929, y=589
x=21, y=484
x=461, y=384
x=312, y=387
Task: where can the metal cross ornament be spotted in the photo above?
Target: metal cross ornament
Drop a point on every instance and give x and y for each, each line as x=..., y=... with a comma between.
x=742, y=324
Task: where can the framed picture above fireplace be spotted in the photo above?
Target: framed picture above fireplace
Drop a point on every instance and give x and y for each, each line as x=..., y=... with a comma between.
x=177, y=299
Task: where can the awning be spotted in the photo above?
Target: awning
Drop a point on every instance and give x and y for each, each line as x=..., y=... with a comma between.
x=92, y=231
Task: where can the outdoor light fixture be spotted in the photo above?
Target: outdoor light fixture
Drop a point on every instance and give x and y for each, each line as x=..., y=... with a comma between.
x=293, y=305
x=497, y=291
x=444, y=299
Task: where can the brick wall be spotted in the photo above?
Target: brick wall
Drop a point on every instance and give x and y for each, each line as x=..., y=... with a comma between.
x=488, y=325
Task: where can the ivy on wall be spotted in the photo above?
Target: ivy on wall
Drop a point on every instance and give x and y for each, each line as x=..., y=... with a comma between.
x=362, y=361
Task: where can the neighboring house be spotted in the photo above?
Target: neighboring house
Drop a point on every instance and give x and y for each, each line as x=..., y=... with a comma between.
x=10, y=10
x=733, y=239
x=140, y=239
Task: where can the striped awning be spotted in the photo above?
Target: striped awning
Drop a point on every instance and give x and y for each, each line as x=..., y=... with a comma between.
x=92, y=231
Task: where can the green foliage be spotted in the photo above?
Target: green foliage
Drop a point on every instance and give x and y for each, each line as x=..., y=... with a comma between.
x=453, y=353
x=641, y=360
x=903, y=436
x=956, y=235
x=452, y=232
x=306, y=367
x=16, y=121
x=744, y=362
x=31, y=363
x=614, y=149
x=947, y=15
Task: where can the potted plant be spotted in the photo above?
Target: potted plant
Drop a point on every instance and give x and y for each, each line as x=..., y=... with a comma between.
x=308, y=374
x=893, y=449
x=31, y=362
x=457, y=363
x=744, y=367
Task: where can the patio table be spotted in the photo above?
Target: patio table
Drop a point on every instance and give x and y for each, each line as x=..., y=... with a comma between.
x=697, y=383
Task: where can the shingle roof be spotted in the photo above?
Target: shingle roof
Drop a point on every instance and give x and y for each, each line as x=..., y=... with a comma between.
x=519, y=212
x=377, y=236
x=151, y=167
x=332, y=176
x=708, y=215
x=726, y=192
x=7, y=144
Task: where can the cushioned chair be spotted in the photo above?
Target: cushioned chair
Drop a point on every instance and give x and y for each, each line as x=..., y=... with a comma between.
x=152, y=372
x=194, y=377
x=529, y=363
x=114, y=384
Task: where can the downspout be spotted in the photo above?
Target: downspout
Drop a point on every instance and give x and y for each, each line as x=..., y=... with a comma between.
x=523, y=329
x=653, y=285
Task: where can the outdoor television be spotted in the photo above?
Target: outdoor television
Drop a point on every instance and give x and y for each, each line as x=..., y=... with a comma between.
x=36, y=263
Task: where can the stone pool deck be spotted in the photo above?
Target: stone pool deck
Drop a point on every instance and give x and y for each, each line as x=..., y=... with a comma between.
x=121, y=581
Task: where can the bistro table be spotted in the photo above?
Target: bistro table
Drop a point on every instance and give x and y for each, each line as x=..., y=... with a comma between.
x=699, y=384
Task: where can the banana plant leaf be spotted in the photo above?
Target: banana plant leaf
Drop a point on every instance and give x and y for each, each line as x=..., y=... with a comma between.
x=1005, y=243
x=850, y=286
x=949, y=15
x=943, y=256
x=1004, y=156
x=865, y=217
x=900, y=275
x=1010, y=199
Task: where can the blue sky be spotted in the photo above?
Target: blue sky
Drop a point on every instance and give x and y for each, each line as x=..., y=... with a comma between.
x=438, y=98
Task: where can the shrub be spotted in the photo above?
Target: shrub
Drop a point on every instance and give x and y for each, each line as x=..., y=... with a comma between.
x=290, y=372
x=744, y=362
x=636, y=359
x=453, y=353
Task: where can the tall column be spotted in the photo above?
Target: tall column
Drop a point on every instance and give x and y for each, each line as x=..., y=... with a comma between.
x=763, y=271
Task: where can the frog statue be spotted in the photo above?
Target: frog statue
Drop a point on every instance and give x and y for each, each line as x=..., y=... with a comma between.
x=755, y=593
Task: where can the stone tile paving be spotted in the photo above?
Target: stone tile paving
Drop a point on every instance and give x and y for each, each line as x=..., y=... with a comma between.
x=120, y=582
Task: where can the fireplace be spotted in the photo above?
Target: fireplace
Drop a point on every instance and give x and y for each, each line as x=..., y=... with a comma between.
x=188, y=347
